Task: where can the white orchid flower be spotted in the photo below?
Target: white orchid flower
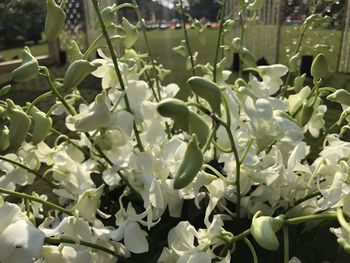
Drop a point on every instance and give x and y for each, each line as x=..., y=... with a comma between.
x=20, y=241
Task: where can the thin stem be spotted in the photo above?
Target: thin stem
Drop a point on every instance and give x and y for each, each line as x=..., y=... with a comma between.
x=296, y=50
x=116, y=66
x=217, y=173
x=36, y=199
x=38, y=99
x=63, y=3
x=219, y=40
x=252, y=249
x=308, y=218
x=342, y=221
x=246, y=150
x=92, y=47
x=27, y=169
x=142, y=22
x=63, y=240
x=241, y=23
x=286, y=243
x=187, y=38
x=57, y=94
x=233, y=149
x=210, y=137
x=65, y=137
x=305, y=198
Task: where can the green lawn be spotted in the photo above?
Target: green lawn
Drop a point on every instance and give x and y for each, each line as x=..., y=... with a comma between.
x=36, y=49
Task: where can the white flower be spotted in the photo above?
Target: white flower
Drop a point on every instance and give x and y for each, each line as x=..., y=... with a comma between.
x=129, y=230
x=20, y=241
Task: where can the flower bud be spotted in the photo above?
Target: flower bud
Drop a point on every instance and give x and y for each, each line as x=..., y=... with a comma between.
x=5, y=90
x=190, y=165
x=341, y=96
x=4, y=139
x=19, y=124
x=257, y=5
x=237, y=43
x=98, y=118
x=55, y=19
x=299, y=83
x=199, y=127
x=29, y=68
x=131, y=33
x=175, y=109
x=78, y=71
x=247, y=58
x=208, y=91
x=306, y=113
x=74, y=52
x=263, y=230
x=319, y=67
x=42, y=125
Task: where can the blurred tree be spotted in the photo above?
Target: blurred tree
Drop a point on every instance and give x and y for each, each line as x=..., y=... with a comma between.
x=204, y=8
x=21, y=21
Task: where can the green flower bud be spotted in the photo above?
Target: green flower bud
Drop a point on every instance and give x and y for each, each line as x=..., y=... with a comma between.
x=299, y=83
x=55, y=19
x=78, y=71
x=341, y=96
x=4, y=138
x=42, y=125
x=190, y=165
x=74, y=52
x=319, y=67
x=19, y=124
x=199, y=127
x=257, y=5
x=237, y=43
x=305, y=114
x=175, y=109
x=5, y=90
x=131, y=33
x=98, y=118
x=29, y=68
x=263, y=230
x=208, y=91
x=247, y=58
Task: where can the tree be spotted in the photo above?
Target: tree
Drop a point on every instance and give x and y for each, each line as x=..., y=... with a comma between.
x=204, y=8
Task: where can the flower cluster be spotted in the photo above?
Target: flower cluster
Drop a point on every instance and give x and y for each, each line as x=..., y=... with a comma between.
x=136, y=155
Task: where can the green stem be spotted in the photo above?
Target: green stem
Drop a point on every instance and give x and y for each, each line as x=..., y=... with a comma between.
x=217, y=173
x=241, y=23
x=142, y=22
x=286, y=243
x=38, y=99
x=308, y=218
x=342, y=221
x=296, y=50
x=35, y=199
x=27, y=169
x=305, y=198
x=219, y=40
x=210, y=138
x=55, y=91
x=63, y=3
x=116, y=66
x=252, y=249
x=63, y=240
x=233, y=149
x=92, y=47
x=246, y=150
x=187, y=38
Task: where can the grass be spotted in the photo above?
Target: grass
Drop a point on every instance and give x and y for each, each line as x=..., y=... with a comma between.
x=15, y=53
